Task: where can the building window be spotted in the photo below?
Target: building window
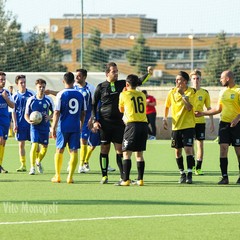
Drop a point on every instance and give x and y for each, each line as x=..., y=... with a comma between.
x=68, y=33
x=67, y=56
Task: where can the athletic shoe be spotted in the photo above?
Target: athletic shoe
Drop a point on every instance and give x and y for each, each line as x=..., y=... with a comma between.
x=198, y=172
x=39, y=167
x=224, y=180
x=70, y=180
x=2, y=170
x=138, y=182
x=123, y=183
x=32, y=171
x=104, y=180
x=22, y=169
x=81, y=169
x=238, y=181
x=86, y=167
x=110, y=169
x=182, y=178
x=56, y=179
x=189, y=178
x=151, y=137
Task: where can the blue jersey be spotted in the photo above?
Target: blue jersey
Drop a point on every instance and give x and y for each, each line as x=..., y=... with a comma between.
x=70, y=102
x=44, y=106
x=87, y=91
x=20, y=100
x=4, y=113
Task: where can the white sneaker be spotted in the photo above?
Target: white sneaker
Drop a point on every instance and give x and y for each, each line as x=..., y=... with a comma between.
x=39, y=167
x=81, y=169
x=110, y=169
x=32, y=171
x=86, y=167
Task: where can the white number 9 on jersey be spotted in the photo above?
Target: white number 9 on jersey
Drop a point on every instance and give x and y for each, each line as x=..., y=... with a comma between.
x=73, y=106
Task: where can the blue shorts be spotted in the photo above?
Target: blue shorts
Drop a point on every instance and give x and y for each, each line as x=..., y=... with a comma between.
x=23, y=134
x=72, y=139
x=85, y=133
x=4, y=131
x=94, y=139
x=39, y=136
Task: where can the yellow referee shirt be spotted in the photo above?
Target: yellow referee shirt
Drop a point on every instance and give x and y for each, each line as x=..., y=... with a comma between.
x=229, y=99
x=181, y=117
x=202, y=98
x=134, y=104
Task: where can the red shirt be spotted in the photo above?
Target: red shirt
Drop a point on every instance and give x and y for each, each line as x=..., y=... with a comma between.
x=150, y=109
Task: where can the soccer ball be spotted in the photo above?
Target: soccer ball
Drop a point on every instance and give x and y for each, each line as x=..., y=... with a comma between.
x=36, y=117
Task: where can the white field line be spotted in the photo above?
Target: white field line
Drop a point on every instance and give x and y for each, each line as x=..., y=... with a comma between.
x=120, y=217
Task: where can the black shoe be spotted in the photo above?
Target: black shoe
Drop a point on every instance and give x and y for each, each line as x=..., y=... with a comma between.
x=238, y=181
x=182, y=178
x=2, y=170
x=189, y=178
x=224, y=180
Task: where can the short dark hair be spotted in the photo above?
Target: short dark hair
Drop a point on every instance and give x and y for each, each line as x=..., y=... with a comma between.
x=133, y=80
x=184, y=75
x=2, y=73
x=19, y=77
x=40, y=81
x=108, y=65
x=69, y=77
x=83, y=71
x=145, y=92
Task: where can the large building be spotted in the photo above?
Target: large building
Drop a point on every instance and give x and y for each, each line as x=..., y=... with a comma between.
x=119, y=33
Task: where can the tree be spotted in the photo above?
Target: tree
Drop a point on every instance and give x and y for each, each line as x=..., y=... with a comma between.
x=94, y=56
x=141, y=56
x=222, y=56
x=34, y=54
x=41, y=56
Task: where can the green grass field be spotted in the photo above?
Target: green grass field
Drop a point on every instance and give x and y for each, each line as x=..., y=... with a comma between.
x=31, y=207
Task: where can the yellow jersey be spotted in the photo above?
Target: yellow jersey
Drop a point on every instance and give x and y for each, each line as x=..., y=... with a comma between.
x=202, y=98
x=134, y=104
x=181, y=117
x=229, y=99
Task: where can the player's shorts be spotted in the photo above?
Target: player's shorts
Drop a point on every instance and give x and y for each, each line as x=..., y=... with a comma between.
x=135, y=137
x=4, y=131
x=23, y=134
x=94, y=139
x=111, y=132
x=72, y=139
x=38, y=136
x=85, y=133
x=200, y=131
x=229, y=135
x=182, y=138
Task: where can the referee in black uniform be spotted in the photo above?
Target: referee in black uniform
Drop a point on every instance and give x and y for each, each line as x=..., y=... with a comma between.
x=110, y=123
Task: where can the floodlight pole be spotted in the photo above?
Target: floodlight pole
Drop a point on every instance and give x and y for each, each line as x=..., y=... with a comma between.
x=191, y=37
x=82, y=34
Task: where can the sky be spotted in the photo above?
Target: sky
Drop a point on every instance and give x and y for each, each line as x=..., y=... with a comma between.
x=174, y=16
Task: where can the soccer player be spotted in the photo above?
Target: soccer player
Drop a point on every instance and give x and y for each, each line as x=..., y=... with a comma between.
x=229, y=126
x=151, y=115
x=5, y=102
x=87, y=90
x=68, y=116
x=40, y=132
x=132, y=104
x=110, y=123
x=202, y=98
x=20, y=126
x=181, y=100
